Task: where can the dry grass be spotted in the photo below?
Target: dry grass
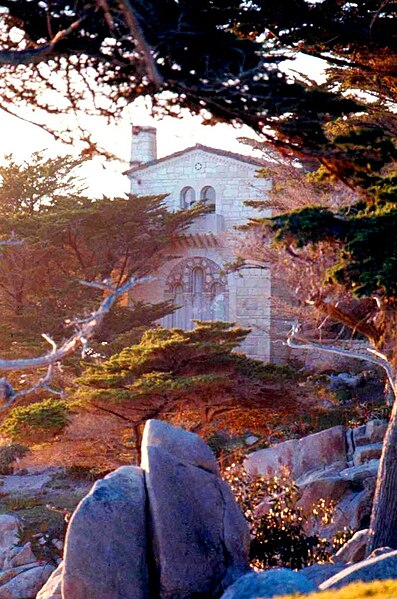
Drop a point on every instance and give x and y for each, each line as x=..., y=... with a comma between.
x=93, y=441
x=379, y=589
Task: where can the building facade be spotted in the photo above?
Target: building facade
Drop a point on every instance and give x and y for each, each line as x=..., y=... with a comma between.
x=194, y=276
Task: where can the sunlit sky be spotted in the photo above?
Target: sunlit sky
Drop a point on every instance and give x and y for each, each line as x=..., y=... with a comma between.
x=105, y=177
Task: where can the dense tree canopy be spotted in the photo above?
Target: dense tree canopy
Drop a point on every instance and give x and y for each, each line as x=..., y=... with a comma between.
x=193, y=378
x=217, y=57
x=59, y=238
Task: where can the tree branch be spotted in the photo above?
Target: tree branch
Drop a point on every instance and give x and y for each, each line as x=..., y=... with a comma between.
x=86, y=328
x=37, y=55
x=141, y=44
x=373, y=355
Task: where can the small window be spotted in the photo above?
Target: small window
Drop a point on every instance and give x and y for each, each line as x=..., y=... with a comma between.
x=198, y=281
x=188, y=197
x=208, y=196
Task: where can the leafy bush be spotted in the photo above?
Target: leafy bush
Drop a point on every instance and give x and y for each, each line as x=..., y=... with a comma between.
x=32, y=422
x=278, y=528
x=8, y=454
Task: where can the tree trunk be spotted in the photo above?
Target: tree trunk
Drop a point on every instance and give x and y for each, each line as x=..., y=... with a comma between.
x=383, y=528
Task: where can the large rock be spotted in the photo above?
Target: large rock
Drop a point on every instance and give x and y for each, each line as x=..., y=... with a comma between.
x=365, y=453
x=300, y=456
x=362, y=472
x=317, y=573
x=24, y=582
x=9, y=537
x=354, y=550
x=376, y=430
x=52, y=588
x=381, y=567
x=105, y=548
x=180, y=443
x=200, y=538
x=353, y=510
x=271, y=583
x=316, y=486
x=20, y=556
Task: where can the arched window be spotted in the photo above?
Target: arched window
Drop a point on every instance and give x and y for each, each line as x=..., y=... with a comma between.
x=198, y=285
x=177, y=317
x=198, y=294
x=188, y=197
x=208, y=196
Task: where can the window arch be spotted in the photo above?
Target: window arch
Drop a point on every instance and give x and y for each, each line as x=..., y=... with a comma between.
x=199, y=287
x=208, y=196
x=188, y=197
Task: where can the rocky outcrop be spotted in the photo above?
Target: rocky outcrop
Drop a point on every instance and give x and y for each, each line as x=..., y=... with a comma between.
x=354, y=550
x=381, y=567
x=111, y=519
x=279, y=581
x=21, y=574
x=170, y=529
x=300, y=456
x=200, y=524
x=337, y=464
x=25, y=581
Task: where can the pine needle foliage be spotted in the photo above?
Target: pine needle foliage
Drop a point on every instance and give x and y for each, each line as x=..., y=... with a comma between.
x=193, y=378
x=166, y=362
x=36, y=421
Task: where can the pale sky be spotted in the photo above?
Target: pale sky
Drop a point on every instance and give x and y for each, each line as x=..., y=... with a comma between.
x=104, y=177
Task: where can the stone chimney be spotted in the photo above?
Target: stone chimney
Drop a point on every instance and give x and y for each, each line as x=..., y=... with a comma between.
x=143, y=145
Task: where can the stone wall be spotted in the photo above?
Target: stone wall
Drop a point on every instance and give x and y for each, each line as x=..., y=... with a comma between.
x=212, y=236
x=234, y=182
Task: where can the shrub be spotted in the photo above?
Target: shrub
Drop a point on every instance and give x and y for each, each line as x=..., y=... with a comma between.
x=9, y=454
x=278, y=533
x=45, y=418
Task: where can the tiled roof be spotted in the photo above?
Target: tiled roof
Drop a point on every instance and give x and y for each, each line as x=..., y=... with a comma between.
x=241, y=157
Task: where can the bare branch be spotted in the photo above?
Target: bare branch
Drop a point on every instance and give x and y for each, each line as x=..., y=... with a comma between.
x=85, y=331
x=373, y=355
x=11, y=240
x=36, y=55
x=141, y=44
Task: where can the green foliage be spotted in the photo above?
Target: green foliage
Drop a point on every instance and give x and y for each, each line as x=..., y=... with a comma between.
x=192, y=378
x=36, y=421
x=9, y=454
x=164, y=363
x=265, y=372
x=29, y=186
x=367, y=259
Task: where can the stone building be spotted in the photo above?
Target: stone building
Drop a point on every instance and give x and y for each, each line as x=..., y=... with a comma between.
x=193, y=277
